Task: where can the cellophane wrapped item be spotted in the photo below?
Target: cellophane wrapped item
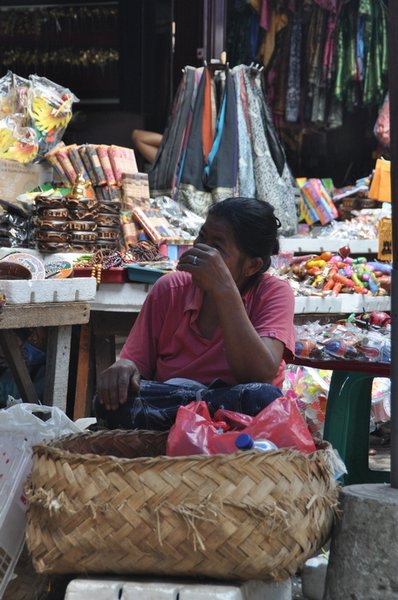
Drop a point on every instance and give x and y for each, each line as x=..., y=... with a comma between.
x=310, y=388
x=16, y=141
x=34, y=114
x=13, y=95
x=50, y=110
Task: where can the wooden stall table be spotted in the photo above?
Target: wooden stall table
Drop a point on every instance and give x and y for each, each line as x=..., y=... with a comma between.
x=58, y=318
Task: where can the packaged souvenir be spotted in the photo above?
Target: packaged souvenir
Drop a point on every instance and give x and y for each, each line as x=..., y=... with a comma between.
x=13, y=95
x=50, y=110
x=17, y=142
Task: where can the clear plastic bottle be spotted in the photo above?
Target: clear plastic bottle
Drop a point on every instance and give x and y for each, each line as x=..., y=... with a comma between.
x=244, y=441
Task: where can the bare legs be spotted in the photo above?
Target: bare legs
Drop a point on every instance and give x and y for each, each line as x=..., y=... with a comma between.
x=146, y=143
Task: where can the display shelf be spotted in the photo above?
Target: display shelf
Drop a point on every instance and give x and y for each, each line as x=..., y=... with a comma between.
x=320, y=244
x=344, y=303
x=129, y=297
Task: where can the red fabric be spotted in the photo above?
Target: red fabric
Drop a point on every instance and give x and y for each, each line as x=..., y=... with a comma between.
x=207, y=133
x=194, y=432
x=165, y=341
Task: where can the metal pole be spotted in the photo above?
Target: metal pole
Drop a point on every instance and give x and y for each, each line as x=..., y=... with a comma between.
x=393, y=91
x=214, y=31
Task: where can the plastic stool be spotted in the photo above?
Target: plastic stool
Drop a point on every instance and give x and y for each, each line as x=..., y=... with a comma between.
x=347, y=424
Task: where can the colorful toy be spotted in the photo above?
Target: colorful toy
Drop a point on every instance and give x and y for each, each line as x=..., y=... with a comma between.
x=339, y=273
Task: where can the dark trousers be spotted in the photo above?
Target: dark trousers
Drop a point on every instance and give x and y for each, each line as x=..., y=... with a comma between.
x=156, y=405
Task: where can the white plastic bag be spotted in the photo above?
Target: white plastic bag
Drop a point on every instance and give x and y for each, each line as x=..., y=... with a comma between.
x=20, y=428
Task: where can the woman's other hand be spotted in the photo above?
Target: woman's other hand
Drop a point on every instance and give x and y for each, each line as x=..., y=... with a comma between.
x=114, y=383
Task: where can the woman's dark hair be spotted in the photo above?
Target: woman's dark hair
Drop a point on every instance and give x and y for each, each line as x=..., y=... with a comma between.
x=253, y=224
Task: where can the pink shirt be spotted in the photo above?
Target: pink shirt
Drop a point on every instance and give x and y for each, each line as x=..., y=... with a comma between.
x=165, y=341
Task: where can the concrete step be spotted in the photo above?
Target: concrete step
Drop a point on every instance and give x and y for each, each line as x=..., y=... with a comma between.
x=123, y=589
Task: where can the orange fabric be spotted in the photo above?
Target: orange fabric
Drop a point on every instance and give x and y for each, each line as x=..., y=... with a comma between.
x=207, y=130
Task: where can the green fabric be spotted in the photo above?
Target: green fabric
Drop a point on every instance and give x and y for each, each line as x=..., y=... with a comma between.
x=347, y=88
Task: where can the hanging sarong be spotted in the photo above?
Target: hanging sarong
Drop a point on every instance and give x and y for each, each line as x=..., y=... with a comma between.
x=246, y=184
x=162, y=175
x=274, y=185
x=209, y=177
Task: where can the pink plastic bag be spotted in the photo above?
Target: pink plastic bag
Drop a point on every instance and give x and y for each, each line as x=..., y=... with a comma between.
x=194, y=432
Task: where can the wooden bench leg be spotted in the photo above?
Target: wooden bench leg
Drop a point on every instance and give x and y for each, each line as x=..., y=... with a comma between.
x=57, y=366
x=82, y=402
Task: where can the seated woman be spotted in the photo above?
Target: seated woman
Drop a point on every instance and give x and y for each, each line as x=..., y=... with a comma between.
x=220, y=324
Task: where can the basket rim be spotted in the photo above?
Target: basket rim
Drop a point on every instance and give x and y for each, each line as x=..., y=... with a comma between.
x=99, y=458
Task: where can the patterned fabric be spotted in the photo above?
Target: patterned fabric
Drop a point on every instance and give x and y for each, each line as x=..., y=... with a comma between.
x=293, y=82
x=246, y=184
x=332, y=5
x=164, y=170
x=270, y=185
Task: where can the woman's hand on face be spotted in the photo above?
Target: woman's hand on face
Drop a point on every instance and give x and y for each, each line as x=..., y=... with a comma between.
x=114, y=383
x=207, y=267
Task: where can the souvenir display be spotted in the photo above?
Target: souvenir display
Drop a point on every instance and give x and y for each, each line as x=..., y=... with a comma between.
x=335, y=273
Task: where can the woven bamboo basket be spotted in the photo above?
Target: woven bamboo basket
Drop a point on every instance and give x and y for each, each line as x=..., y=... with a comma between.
x=248, y=515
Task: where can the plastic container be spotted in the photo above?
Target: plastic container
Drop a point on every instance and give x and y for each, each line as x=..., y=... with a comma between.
x=245, y=442
x=113, y=275
x=31, y=291
x=143, y=274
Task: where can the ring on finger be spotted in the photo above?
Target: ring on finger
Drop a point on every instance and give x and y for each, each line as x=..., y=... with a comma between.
x=194, y=259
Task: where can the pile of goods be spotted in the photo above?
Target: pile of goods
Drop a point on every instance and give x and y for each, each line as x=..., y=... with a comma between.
x=332, y=274
x=365, y=337
x=109, y=266
x=357, y=225
x=101, y=167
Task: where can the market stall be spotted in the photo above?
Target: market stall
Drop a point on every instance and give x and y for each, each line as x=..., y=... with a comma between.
x=93, y=227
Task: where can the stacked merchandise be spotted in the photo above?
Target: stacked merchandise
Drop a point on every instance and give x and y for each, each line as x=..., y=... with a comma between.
x=140, y=219
x=100, y=169
x=76, y=222
x=82, y=219
x=100, y=166
x=66, y=223
x=52, y=227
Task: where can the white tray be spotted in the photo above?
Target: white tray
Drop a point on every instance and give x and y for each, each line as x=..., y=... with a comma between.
x=343, y=303
x=33, y=291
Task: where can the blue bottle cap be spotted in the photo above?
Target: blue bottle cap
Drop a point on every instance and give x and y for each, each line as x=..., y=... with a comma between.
x=244, y=442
